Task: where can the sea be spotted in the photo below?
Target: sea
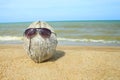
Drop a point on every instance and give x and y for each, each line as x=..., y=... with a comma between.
x=73, y=33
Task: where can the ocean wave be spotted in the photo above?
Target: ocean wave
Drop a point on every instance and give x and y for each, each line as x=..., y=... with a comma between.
x=18, y=38
x=88, y=40
x=10, y=38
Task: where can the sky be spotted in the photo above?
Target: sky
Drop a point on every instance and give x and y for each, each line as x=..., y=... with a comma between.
x=58, y=10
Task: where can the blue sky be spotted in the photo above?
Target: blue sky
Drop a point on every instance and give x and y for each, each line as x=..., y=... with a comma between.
x=52, y=10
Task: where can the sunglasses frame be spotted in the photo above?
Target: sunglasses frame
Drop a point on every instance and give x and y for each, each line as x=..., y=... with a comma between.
x=34, y=32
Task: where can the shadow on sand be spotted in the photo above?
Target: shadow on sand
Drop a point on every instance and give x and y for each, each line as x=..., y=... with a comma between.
x=57, y=55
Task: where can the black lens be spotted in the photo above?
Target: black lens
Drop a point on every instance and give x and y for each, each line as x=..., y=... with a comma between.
x=44, y=32
x=30, y=33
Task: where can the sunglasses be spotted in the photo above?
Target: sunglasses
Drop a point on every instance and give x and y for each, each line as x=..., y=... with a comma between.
x=31, y=32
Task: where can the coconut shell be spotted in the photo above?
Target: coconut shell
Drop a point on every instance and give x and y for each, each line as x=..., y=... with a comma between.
x=39, y=48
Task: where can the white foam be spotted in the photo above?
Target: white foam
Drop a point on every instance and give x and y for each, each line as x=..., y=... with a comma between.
x=10, y=38
x=88, y=40
x=16, y=38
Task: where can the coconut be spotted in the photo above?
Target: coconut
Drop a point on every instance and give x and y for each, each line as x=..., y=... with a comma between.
x=40, y=41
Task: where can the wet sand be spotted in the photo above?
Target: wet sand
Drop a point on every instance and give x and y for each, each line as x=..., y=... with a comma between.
x=69, y=63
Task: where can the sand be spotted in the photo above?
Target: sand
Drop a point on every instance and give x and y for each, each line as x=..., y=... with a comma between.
x=69, y=63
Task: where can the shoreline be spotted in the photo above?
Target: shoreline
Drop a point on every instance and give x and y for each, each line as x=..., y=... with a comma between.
x=69, y=63
x=62, y=45
x=68, y=43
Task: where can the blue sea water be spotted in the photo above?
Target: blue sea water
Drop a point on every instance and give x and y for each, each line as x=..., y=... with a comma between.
x=78, y=33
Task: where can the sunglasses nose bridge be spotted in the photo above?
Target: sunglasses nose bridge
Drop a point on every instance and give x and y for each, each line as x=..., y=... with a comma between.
x=38, y=32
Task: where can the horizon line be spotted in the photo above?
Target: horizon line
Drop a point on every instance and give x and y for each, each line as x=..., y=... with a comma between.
x=56, y=21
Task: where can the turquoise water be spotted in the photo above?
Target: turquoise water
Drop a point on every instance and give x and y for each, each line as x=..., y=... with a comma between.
x=100, y=33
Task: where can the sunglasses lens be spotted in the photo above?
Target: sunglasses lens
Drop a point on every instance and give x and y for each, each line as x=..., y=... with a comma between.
x=45, y=33
x=29, y=33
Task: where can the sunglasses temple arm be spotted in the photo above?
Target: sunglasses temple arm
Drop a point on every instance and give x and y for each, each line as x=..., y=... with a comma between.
x=54, y=33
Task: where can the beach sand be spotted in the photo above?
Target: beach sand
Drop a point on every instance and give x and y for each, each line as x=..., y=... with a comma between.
x=69, y=63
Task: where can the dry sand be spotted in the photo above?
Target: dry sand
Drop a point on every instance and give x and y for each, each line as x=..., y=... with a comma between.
x=69, y=63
